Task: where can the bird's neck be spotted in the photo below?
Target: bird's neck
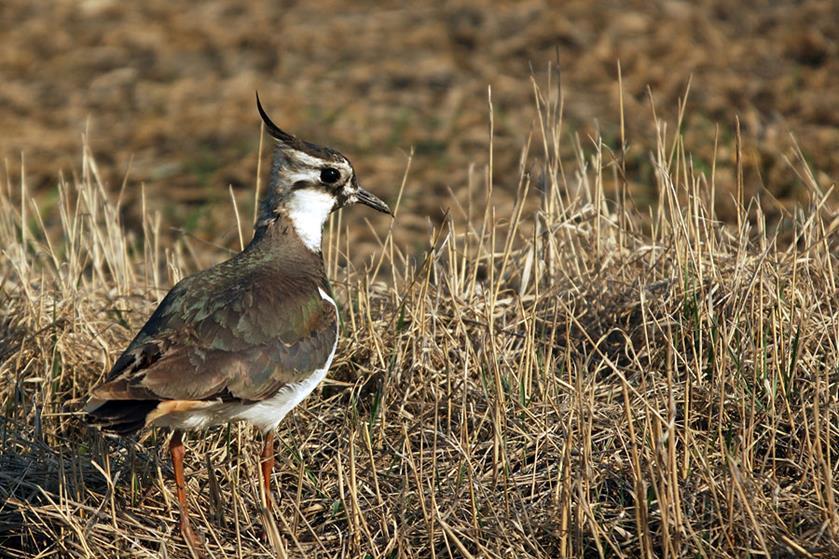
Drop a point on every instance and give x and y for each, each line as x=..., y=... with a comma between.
x=282, y=244
x=306, y=211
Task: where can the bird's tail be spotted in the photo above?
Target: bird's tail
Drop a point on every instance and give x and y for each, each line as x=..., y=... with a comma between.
x=121, y=417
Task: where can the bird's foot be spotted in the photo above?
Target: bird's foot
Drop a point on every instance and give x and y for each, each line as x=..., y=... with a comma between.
x=270, y=503
x=269, y=526
x=193, y=540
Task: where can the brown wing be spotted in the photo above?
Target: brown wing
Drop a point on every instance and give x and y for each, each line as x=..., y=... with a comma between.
x=244, y=340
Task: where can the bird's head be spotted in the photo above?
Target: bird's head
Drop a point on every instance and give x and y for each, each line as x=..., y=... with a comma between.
x=308, y=182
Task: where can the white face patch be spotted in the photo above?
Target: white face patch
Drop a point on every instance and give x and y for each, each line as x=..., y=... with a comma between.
x=315, y=163
x=308, y=210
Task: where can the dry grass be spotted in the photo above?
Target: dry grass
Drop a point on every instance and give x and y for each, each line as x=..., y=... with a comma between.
x=563, y=379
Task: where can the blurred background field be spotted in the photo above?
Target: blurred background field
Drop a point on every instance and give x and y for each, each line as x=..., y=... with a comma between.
x=165, y=90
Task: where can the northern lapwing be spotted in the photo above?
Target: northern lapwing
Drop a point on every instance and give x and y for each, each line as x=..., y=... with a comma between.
x=249, y=338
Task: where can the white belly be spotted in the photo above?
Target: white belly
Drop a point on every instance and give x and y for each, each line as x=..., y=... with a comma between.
x=267, y=414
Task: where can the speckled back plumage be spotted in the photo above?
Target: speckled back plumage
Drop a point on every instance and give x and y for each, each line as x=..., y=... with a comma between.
x=240, y=331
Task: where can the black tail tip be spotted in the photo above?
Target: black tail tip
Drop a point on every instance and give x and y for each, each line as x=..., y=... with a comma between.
x=120, y=417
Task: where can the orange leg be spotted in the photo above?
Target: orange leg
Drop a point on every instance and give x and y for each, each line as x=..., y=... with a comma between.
x=176, y=450
x=266, y=464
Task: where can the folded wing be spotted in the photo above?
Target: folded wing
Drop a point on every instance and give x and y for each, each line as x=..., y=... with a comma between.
x=243, y=342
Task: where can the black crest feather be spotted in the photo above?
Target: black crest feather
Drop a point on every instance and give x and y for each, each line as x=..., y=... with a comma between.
x=275, y=131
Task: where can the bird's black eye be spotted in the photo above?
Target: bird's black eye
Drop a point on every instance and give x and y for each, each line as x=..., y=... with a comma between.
x=329, y=175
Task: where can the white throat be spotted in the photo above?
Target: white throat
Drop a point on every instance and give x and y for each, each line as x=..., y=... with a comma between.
x=308, y=210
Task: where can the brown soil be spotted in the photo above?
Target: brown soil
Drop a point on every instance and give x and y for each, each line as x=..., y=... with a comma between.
x=165, y=90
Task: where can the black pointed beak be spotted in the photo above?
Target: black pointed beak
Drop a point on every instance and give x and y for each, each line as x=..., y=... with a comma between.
x=371, y=200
